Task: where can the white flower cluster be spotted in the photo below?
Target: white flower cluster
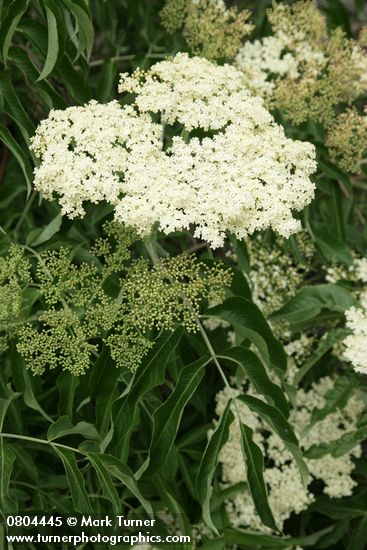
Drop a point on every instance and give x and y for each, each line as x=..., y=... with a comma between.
x=84, y=151
x=278, y=55
x=216, y=161
x=298, y=350
x=360, y=269
x=356, y=343
x=354, y=347
x=261, y=58
x=356, y=272
x=297, y=50
x=287, y=495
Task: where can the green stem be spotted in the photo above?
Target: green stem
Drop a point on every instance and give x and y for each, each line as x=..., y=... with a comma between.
x=217, y=364
x=150, y=247
x=212, y=353
x=25, y=211
x=42, y=441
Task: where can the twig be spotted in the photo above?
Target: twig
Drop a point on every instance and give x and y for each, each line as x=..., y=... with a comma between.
x=42, y=441
x=150, y=247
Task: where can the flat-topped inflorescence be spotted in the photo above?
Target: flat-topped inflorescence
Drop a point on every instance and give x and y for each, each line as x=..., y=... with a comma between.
x=195, y=150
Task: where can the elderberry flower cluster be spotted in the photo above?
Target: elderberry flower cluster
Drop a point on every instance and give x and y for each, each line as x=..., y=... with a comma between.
x=354, y=276
x=83, y=151
x=287, y=494
x=210, y=28
x=231, y=179
x=76, y=312
x=241, y=175
x=355, y=273
x=160, y=298
x=310, y=73
x=355, y=343
x=112, y=299
x=347, y=140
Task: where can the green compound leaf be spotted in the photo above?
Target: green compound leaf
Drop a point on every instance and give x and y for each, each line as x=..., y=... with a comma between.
x=279, y=424
x=338, y=447
x=246, y=315
x=124, y=474
x=106, y=483
x=53, y=40
x=256, y=372
x=255, y=476
x=209, y=463
x=75, y=480
x=166, y=419
x=309, y=302
x=63, y=426
x=84, y=23
x=9, y=25
x=7, y=457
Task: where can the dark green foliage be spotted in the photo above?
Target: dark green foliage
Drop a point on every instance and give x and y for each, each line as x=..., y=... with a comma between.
x=116, y=440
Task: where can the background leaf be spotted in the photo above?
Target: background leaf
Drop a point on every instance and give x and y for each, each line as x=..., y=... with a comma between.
x=279, y=424
x=53, y=40
x=209, y=463
x=245, y=314
x=255, y=476
x=75, y=479
x=166, y=418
